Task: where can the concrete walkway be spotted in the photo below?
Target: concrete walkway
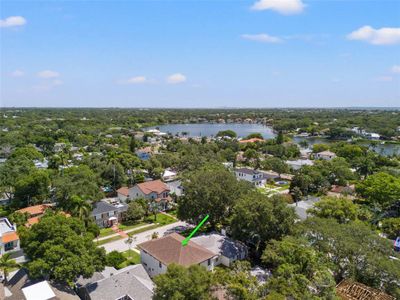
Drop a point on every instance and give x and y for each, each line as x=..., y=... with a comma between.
x=139, y=238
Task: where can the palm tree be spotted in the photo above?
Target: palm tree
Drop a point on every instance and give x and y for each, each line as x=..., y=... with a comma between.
x=80, y=208
x=112, y=159
x=7, y=263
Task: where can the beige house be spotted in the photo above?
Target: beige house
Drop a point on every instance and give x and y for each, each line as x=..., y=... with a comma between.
x=157, y=254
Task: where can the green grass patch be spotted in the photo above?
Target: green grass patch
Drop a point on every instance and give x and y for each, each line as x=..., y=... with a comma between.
x=129, y=227
x=131, y=258
x=161, y=219
x=105, y=231
x=109, y=240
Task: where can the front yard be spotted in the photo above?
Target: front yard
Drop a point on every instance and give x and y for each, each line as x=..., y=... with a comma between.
x=131, y=258
x=271, y=189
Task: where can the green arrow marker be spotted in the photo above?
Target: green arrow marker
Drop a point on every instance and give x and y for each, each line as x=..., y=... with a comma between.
x=186, y=241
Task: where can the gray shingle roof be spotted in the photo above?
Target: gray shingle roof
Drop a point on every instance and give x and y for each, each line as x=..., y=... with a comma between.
x=221, y=244
x=132, y=281
x=102, y=207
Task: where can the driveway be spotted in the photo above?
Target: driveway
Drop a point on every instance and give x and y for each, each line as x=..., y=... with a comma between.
x=122, y=246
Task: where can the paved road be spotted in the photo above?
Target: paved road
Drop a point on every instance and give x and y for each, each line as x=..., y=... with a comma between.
x=121, y=245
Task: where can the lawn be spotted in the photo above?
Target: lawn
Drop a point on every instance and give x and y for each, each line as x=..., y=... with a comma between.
x=131, y=258
x=161, y=219
x=118, y=237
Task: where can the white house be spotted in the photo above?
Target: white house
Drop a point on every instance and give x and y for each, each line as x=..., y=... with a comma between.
x=169, y=175
x=9, y=239
x=155, y=190
x=298, y=164
x=326, y=155
x=255, y=177
x=157, y=254
x=228, y=250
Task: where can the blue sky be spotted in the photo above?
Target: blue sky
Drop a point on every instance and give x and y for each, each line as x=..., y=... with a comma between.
x=267, y=53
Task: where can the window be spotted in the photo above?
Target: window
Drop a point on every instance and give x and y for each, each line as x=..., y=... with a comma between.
x=209, y=262
x=9, y=246
x=159, y=264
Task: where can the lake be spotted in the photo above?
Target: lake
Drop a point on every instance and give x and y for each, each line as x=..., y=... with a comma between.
x=211, y=129
x=243, y=130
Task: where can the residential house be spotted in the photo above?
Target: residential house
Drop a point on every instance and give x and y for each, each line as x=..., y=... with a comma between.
x=129, y=283
x=228, y=249
x=21, y=287
x=326, y=155
x=350, y=290
x=298, y=164
x=342, y=191
x=107, y=214
x=157, y=254
x=123, y=193
x=35, y=212
x=169, y=175
x=9, y=239
x=253, y=140
x=255, y=177
x=144, y=153
x=154, y=190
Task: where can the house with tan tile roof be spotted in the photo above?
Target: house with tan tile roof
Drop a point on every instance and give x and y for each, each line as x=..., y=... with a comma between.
x=154, y=190
x=36, y=212
x=157, y=254
x=9, y=239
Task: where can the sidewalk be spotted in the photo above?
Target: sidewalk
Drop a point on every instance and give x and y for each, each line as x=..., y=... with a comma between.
x=122, y=232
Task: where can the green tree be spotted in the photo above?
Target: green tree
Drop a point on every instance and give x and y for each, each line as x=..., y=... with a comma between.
x=342, y=210
x=255, y=135
x=33, y=188
x=135, y=212
x=19, y=218
x=180, y=283
x=391, y=226
x=60, y=249
x=280, y=138
x=380, y=189
x=76, y=181
x=356, y=252
x=114, y=259
x=257, y=219
x=229, y=133
x=211, y=190
x=6, y=264
x=320, y=147
x=299, y=270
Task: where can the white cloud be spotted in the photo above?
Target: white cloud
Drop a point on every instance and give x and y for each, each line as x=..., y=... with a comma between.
x=17, y=73
x=136, y=80
x=396, y=69
x=262, y=37
x=13, y=21
x=48, y=74
x=285, y=7
x=382, y=36
x=176, y=78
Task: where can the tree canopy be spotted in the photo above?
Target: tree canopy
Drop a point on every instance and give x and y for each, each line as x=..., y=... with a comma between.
x=59, y=248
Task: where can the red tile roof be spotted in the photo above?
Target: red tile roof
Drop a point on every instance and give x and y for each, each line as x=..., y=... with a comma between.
x=35, y=210
x=253, y=140
x=156, y=186
x=9, y=237
x=169, y=250
x=124, y=190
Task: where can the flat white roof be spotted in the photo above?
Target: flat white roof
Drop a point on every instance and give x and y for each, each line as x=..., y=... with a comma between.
x=38, y=291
